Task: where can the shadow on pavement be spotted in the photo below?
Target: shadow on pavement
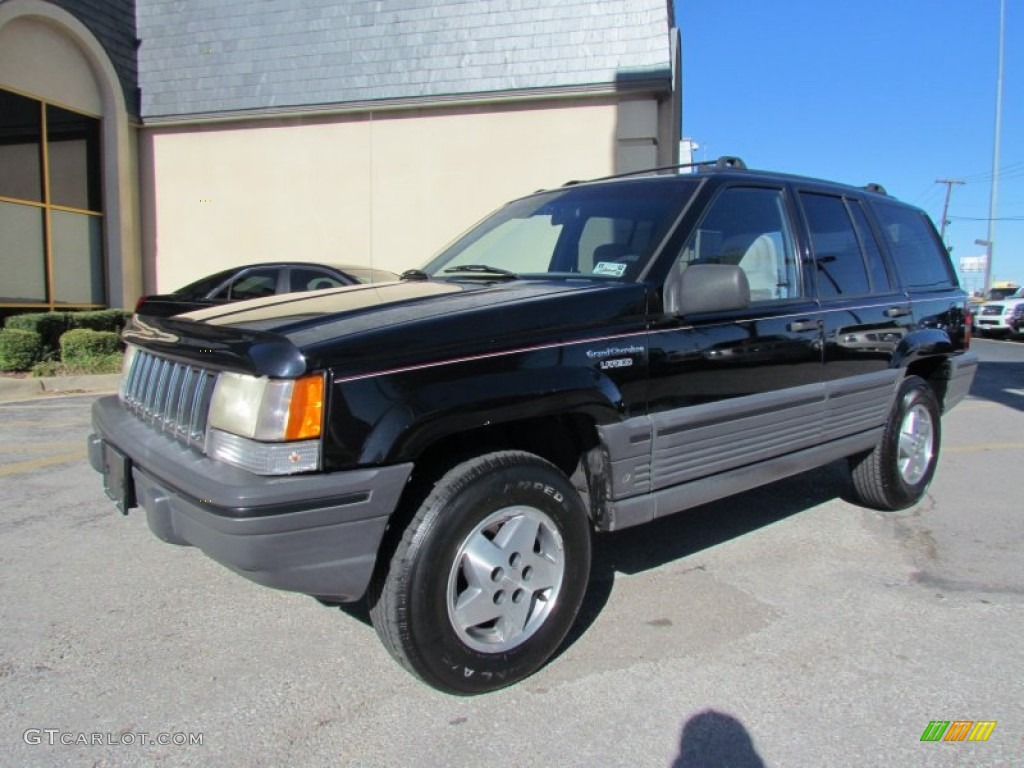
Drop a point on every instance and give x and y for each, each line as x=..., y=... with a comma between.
x=715, y=740
x=1001, y=383
x=686, y=533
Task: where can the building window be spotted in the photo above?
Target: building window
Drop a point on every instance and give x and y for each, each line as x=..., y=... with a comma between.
x=51, y=210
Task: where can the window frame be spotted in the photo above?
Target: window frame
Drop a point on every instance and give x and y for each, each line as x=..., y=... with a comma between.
x=793, y=233
x=51, y=301
x=812, y=257
x=952, y=282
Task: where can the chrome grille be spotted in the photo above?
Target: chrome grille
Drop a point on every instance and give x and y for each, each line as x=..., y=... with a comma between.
x=174, y=397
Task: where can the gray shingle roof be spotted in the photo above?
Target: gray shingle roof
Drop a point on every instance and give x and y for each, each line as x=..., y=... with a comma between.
x=113, y=23
x=208, y=56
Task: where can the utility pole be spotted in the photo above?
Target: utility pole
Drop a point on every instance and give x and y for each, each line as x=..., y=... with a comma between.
x=994, y=191
x=945, y=206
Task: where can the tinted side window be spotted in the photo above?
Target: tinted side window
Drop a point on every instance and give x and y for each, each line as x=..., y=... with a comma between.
x=306, y=279
x=920, y=258
x=748, y=227
x=880, y=280
x=251, y=285
x=840, y=263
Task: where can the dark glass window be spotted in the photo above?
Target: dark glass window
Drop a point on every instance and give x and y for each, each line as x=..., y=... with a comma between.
x=748, y=227
x=251, y=284
x=73, y=144
x=77, y=247
x=306, y=279
x=22, y=255
x=840, y=263
x=51, y=224
x=920, y=259
x=21, y=147
x=880, y=280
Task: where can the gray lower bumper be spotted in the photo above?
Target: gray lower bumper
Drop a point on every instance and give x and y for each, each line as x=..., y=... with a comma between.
x=317, y=534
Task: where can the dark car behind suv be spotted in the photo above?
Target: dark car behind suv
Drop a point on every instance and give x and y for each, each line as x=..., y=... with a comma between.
x=588, y=358
x=252, y=281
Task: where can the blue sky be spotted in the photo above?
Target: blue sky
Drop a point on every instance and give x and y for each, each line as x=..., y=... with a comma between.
x=899, y=92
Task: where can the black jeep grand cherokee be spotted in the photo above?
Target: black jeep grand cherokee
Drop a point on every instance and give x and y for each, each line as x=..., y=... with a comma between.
x=587, y=358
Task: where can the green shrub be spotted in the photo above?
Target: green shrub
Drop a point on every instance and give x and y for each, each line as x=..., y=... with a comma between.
x=52, y=325
x=81, y=345
x=49, y=325
x=112, y=320
x=19, y=349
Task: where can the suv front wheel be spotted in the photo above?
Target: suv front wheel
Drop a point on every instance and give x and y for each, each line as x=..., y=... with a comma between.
x=896, y=473
x=489, y=575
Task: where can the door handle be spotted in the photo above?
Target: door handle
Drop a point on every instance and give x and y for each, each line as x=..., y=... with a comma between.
x=897, y=312
x=804, y=325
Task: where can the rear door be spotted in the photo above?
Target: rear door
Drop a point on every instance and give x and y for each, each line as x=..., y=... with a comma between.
x=865, y=315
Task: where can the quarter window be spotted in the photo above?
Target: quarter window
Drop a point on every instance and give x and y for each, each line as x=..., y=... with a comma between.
x=51, y=213
x=920, y=259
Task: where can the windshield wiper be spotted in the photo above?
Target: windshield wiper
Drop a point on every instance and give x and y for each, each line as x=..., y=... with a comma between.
x=483, y=268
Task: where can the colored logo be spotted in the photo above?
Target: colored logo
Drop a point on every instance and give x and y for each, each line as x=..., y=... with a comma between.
x=958, y=730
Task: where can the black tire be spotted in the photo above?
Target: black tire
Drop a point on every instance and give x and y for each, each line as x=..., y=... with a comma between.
x=530, y=535
x=897, y=472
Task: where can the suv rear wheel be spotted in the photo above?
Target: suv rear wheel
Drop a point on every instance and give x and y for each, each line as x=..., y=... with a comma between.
x=488, y=577
x=896, y=473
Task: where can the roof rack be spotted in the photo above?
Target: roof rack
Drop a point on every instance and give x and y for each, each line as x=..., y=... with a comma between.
x=725, y=162
x=876, y=188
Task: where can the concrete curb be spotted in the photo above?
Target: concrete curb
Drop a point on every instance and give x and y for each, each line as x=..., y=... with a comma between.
x=24, y=389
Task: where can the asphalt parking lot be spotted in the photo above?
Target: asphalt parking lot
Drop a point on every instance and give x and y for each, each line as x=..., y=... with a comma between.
x=782, y=627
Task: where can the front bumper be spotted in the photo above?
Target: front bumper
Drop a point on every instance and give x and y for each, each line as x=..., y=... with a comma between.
x=316, y=533
x=992, y=324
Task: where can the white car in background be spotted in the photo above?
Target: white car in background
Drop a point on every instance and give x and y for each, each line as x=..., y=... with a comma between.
x=1001, y=317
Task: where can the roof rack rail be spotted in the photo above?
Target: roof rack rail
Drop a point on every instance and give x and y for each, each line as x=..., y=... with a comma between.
x=731, y=161
x=722, y=163
x=876, y=188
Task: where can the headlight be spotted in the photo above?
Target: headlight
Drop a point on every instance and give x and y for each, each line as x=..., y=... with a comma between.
x=268, y=409
x=268, y=426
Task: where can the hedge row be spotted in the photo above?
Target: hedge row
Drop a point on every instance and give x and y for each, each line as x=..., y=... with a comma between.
x=52, y=325
x=19, y=350
x=81, y=350
x=81, y=345
x=83, y=340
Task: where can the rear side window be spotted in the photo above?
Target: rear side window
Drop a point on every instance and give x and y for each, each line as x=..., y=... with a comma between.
x=920, y=259
x=253, y=284
x=305, y=279
x=840, y=263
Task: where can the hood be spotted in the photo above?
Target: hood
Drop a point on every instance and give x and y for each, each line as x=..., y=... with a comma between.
x=372, y=327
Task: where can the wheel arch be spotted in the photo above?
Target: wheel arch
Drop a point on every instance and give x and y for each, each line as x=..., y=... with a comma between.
x=926, y=353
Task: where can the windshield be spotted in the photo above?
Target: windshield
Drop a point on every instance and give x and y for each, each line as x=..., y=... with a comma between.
x=999, y=294
x=605, y=232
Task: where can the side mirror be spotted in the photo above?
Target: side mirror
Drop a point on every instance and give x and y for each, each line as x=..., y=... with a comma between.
x=707, y=288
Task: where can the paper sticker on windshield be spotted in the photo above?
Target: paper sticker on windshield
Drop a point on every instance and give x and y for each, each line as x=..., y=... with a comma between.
x=610, y=268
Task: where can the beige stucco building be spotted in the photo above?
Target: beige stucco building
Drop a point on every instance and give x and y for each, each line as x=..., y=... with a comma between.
x=171, y=143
